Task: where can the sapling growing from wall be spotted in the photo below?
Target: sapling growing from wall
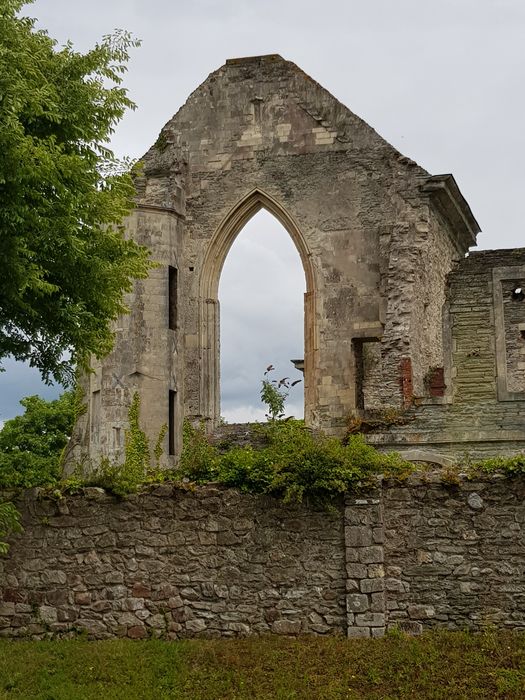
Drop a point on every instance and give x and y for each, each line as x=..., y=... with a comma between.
x=274, y=393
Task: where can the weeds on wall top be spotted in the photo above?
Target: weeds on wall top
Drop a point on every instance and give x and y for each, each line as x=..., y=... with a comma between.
x=274, y=393
x=136, y=469
x=295, y=465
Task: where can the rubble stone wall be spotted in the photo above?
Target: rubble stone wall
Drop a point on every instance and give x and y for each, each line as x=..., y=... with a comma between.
x=455, y=554
x=213, y=562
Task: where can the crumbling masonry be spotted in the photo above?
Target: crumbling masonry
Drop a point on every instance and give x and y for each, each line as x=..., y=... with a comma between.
x=395, y=315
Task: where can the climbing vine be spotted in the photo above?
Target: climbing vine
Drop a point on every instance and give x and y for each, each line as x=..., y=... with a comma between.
x=135, y=470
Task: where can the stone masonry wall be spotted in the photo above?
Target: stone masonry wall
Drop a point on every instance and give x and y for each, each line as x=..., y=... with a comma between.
x=455, y=554
x=376, y=233
x=174, y=563
x=514, y=325
x=483, y=410
x=213, y=562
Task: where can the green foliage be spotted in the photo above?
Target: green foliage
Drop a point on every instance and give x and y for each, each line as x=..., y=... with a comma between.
x=158, y=450
x=63, y=196
x=274, y=394
x=199, y=459
x=135, y=470
x=274, y=399
x=137, y=458
x=9, y=522
x=512, y=466
x=295, y=464
x=31, y=444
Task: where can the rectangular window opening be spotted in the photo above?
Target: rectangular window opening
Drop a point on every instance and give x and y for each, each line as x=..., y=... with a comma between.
x=95, y=415
x=172, y=297
x=368, y=373
x=171, y=421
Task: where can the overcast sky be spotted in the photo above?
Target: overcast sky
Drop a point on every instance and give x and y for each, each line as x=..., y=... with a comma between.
x=443, y=81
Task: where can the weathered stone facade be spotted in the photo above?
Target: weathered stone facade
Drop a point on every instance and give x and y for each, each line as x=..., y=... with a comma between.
x=382, y=244
x=215, y=562
x=480, y=410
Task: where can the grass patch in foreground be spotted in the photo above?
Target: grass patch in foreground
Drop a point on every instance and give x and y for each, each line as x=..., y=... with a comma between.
x=438, y=665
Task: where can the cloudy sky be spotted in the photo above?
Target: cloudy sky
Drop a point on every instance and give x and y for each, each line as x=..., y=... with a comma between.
x=443, y=81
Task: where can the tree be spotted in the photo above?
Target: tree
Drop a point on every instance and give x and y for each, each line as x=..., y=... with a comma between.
x=31, y=444
x=63, y=196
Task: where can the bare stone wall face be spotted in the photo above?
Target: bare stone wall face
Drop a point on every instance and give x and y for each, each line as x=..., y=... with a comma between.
x=455, y=554
x=212, y=562
x=173, y=563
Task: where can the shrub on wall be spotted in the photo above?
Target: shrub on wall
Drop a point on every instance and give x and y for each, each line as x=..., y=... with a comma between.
x=136, y=469
x=9, y=522
x=512, y=466
x=296, y=464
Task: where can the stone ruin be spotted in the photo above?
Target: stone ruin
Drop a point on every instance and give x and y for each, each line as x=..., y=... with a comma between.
x=408, y=336
x=400, y=318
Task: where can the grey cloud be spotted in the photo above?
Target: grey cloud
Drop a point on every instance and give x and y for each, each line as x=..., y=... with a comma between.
x=17, y=381
x=261, y=297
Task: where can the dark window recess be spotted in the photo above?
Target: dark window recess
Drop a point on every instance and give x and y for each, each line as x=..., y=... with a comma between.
x=359, y=374
x=518, y=293
x=171, y=422
x=365, y=381
x=172, y=297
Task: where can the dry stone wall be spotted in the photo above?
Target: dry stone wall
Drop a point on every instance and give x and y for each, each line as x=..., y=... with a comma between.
x=212, y=562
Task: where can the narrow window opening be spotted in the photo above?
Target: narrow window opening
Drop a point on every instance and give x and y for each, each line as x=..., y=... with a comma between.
x=95, y=415
x=171, y=422
x=172, y=297
x=117, y=438
x=359, y=374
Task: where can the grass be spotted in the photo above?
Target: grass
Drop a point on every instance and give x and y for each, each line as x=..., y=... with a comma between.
x=438, y=665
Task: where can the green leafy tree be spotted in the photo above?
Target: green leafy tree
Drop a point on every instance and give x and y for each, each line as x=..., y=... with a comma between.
x=9, y=522
x=63, y=196
x=31, y=444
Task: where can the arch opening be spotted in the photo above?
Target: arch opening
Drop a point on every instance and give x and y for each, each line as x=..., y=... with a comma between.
x=261, y=292
x=213, y=263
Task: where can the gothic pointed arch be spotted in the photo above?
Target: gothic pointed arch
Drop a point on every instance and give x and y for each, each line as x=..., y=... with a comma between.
x=229, y=229
x=213, y=262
